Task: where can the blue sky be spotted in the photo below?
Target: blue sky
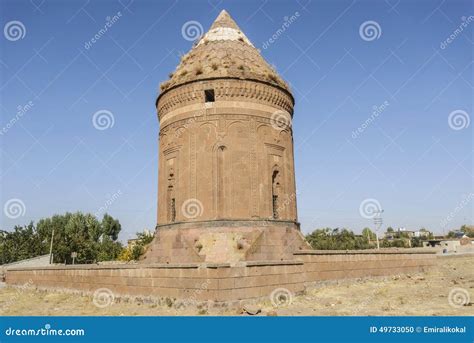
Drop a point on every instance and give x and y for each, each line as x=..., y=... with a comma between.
x=414, y=155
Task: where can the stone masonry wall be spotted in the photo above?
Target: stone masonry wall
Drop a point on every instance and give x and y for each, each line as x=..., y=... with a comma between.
x=221, y=282
x=214, y=282
x=334, y=265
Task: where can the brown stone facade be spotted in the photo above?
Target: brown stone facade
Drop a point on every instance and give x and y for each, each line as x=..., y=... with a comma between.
x=229, y=155
x=222, y=282
x=226, y=174
x=224, y=164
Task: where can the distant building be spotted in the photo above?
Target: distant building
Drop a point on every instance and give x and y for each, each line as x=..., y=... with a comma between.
x=423, y=233
x=404, y=233
x=456, y=234
x=132, y=241
x=450, y=245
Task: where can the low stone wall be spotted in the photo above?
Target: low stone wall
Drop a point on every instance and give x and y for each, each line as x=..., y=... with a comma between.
x=223, y=282
x=192, y=282
x=323, y=265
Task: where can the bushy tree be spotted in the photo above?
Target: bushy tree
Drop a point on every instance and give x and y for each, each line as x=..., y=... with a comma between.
x=396, y=243
x=467, y=230
x=110, y=227
x=368, y=234
x=336, y=239
x=109, y=249
x=416, y=242
x=91, y=239
x=21, y=243
x=137, y=248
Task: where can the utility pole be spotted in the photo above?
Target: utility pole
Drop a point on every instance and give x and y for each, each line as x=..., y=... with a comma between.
x=51, y=248
x=378, y=221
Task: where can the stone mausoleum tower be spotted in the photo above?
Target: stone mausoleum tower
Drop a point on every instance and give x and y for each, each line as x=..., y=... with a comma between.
x=226, y=183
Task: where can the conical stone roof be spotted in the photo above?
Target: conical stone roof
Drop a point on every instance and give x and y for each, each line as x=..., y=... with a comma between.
x=224, y=51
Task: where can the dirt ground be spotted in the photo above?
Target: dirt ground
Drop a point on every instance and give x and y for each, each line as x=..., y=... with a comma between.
x=446, y=289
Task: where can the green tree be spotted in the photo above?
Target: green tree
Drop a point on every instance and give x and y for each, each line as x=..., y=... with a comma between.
x=468, y=230
x=336, y=239
x=21, y=243
x=109, y=249
x=91, y=239
x=368, y=234
x=451, y=234
x=137, y=248
x=416, y=242
x=110, y=227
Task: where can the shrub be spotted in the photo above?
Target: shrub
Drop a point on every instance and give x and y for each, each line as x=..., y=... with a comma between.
x=137, y=248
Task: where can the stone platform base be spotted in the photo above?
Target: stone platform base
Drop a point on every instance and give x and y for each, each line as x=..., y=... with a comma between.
x=221, y=241
x=222, y=282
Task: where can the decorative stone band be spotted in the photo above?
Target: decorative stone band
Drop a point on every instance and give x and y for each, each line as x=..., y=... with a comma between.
x=224, y=89
x=391, y=251
x=125, y=266
x=190, y=118
x=232, y=223
x=224, y=34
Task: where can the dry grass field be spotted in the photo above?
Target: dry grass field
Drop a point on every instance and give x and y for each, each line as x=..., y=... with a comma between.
x=446, y=289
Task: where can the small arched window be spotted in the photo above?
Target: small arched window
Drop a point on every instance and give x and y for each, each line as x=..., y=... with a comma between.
x=171, y=205
x=220, y=181
x=171, y=200
x=275, y=194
